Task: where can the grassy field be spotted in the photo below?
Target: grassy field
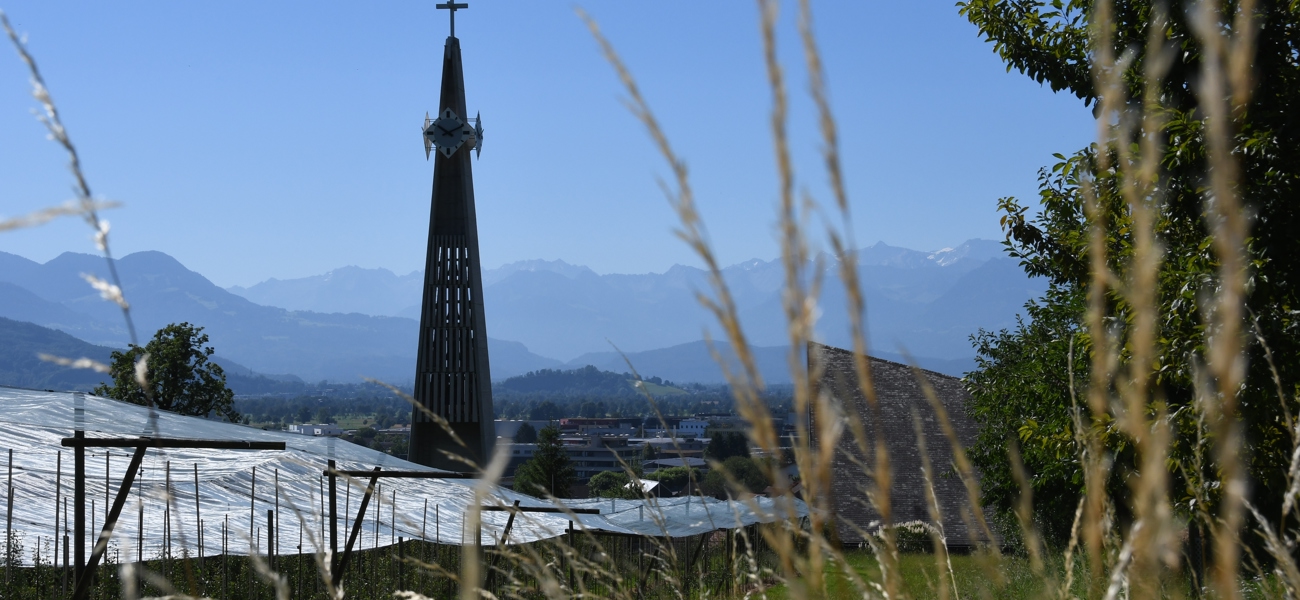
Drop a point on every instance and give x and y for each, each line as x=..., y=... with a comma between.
x=657, y=390
x=986, y=576
x=975, y=576
x=978, y=575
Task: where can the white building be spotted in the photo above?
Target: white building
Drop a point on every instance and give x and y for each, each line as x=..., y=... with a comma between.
x=322, y=429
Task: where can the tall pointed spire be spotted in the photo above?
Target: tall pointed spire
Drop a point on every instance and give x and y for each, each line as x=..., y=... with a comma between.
x=452, y=379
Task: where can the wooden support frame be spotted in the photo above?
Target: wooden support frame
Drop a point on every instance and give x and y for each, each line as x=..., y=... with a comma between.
x=356, y=529
x=340, y=563
x=505, y=535
x=85, y=570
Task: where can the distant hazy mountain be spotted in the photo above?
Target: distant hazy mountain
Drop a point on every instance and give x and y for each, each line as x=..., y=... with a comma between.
x=341, y=326
x=314, y=346
x=21, y=366
x=376, y=292
x=925, y=302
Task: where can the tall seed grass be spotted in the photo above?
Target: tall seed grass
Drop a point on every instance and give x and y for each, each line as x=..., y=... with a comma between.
x=1144, y=560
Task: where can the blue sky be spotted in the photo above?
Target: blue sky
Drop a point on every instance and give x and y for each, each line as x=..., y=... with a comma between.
x=281, y=139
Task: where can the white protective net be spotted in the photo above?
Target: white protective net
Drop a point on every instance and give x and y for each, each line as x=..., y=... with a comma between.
x=231, y=508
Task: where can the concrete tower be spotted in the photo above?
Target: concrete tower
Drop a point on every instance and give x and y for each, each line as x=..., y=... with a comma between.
x=452, y=379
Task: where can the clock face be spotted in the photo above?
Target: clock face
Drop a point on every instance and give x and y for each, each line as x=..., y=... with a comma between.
x=448, y=132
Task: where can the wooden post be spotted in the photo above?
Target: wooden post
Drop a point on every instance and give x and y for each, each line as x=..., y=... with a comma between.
x=437, y=526
x=139, y=532
x=334, y=519
x=425, y=522
x=298, y=560
x=501, y=543
x=356, y=529
x=198, y=515
x=379, y=512
x=277, y=511
x=225, y=557
x=88, y=572
x=83, y=584
x=570, y=561
x=58, y=490
x=253, y=534
x=252, y=510
x=108, y=482
x=66, y=565
x=320, y=488
x=401, y=563
x=270, y=535
x=79, y=486
x=9, y=521
x=167, y=516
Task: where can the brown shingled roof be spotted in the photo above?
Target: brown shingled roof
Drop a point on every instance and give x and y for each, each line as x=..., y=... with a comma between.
x=899, y=395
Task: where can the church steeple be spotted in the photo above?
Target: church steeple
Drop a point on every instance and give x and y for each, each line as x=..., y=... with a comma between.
x=452, y=379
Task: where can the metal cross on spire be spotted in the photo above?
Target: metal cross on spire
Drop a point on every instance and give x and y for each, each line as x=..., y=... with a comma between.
x=451, y=7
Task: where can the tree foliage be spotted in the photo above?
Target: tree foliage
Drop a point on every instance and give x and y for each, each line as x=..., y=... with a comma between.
x=674, y=477
x=1022, y=386
x=526, y=434
x=726, y=444
x=748, y=479
x=587, y=381
x=612, y=484
x=546, y=411
x=549, y=471
x=180, y=376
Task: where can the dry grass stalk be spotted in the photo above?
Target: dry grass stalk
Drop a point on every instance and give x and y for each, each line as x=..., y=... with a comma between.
x=745, y=383
x=1224, y=92
x=1107, y=73
x=943, y=563
x=845, y=252
x=1142, y=417
x=799, y=300
x=1025, y=513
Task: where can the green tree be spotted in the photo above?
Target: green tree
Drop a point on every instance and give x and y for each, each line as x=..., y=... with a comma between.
x=546, y=411
x=648, y=452
x=592, y=410
x=674, y=477
x=401, y=446
x=611, y=484
x=743, y=470
x=726, y=444
x=549, y=471
x=1021, y=386
x=180, y=376
x=526, y=434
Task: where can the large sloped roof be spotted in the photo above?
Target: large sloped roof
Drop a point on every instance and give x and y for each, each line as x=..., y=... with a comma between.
x=902, y=403
x=33, y=423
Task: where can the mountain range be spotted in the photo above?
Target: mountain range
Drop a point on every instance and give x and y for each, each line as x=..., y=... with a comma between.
x=352, y=323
